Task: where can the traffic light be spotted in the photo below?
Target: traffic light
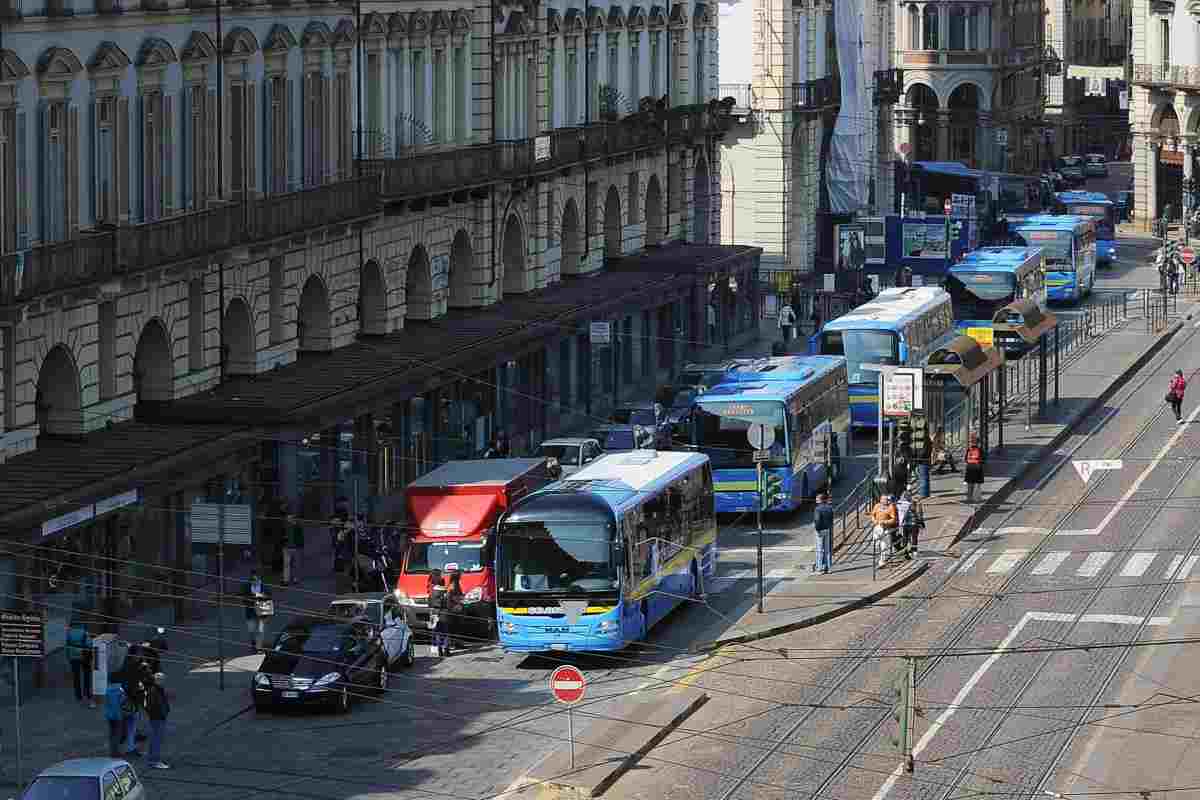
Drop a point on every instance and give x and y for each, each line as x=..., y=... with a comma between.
x=772, y=488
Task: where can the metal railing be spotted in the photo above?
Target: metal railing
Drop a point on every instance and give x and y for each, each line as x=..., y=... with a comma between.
x=814, y=95
x=1178, y=75
x=127, y=250
x=742, y=94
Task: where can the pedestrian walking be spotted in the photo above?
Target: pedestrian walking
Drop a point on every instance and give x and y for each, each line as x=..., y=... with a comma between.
x=1175, y=394
x=898, y=479
x=115, y=701
x=942, y=457
x=134, y=680
x=974, y=471
x=254, y=596
x=823, y=533
x=455, y=606
x=924, y=458
x=158, y=708
x=79, y=653
x=787, y=323
x=438, y=621
x=292, y=548
x=912, y=523
x=886, y=526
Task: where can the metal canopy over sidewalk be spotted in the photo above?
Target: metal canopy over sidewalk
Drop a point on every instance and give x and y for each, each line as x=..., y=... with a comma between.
x=181, y=440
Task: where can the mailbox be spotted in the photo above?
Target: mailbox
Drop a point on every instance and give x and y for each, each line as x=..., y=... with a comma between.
x=963, y=361
x=1019, y=325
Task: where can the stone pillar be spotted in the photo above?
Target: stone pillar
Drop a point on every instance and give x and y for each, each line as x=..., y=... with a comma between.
x=1148, y=208
x=1186, y=198
x=943, y=136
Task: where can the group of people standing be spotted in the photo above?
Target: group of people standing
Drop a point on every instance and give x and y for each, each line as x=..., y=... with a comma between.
x=446, y=605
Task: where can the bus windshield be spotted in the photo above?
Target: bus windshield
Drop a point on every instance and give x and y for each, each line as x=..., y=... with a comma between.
x=1056, y=247
x=862, y=347
x=986, y=285
x=720, y=431
x=1104, y=216
x=549, y=557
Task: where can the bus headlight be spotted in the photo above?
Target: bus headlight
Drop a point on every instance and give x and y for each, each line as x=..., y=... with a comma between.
x=508, y=627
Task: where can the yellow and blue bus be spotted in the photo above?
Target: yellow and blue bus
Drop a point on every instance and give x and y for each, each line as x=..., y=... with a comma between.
x=987, y=279
x=803, y=400
x=594, y=561
x=900, y=327
x=1069, y=246
x=1100, y=208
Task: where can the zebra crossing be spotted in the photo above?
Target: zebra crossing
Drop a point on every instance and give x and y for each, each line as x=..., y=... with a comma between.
x=1082, y=564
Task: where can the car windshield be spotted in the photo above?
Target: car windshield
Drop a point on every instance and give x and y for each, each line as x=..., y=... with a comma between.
x=1071, y=161
x=424, y=557
x=1056, y=247
x=63, y=788
x=565, y=454
x=318, y=639
x=563, y=557
x=633, y=416
x=721, y=431
x=862, y=347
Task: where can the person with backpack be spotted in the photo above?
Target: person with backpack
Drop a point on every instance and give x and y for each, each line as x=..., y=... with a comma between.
x=787, y=323
x=973, y=474
x=1175, y=392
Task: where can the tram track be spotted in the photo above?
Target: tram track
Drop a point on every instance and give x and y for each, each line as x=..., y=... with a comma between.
x=897, y=626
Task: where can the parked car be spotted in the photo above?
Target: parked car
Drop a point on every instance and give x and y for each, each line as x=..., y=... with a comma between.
x=387, y=620
x=319, y=662
x=1071, y=168
x=621, y=438
x=645, y=415
x=1095, y=166
x=1124, y=205
x=87, y=779
x=570, y=454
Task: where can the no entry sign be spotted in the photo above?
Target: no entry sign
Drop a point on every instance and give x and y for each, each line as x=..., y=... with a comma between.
x=1187, y=255
x=568, y=685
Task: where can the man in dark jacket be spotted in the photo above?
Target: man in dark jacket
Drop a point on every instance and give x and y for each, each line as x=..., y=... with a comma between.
x=158, y=707
x=823, y=533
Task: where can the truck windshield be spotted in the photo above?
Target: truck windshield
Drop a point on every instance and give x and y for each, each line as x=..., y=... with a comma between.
x=862, y=347
x=720, y=431
x=424, y=557
x=556, y=557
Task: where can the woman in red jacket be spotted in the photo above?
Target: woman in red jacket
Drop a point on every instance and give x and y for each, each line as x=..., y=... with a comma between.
x=1175, y=395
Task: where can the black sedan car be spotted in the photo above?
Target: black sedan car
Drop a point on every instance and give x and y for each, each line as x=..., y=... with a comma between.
x=318, y=662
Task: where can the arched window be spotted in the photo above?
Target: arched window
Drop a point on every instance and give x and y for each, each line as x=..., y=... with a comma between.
x=914, y=28
x=930, y=19
x=958, y=28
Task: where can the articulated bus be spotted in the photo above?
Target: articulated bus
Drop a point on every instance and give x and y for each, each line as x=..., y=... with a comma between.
x=803, y=399
x=988, y=279
x=1069, y=246
x=594, y=561
x=900, y=327
x=1102, y=210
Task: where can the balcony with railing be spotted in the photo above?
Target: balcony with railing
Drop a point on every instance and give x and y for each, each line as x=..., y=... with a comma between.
x=444, y=172
x=128, y=250
x=815, y=95
x=1185, y=76
x=742, y=94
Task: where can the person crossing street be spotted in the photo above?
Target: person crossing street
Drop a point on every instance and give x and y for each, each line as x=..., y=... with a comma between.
x=1175, y=392
x=823, y=534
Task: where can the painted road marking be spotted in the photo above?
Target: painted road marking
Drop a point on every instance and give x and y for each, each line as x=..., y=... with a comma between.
x=771, y=549
x=1051, y=562
x=1007, y=561
x=1137, y=484
x=1081, y=532
x=778, y=574
x=1172, y=568
x=956, y=703
x=1137, y=565
x=1093, y=564
x=971, y=560
x=1186, y=569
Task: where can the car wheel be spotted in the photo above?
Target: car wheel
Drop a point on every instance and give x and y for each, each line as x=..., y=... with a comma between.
x=410, y=654
x=381, y=681
x=343, y=700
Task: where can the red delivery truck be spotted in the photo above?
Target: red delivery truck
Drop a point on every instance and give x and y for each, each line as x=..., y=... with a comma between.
x=451, y=513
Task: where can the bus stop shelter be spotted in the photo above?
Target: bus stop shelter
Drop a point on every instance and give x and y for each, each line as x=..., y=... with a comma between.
x=1018, y=328
x=963, y=361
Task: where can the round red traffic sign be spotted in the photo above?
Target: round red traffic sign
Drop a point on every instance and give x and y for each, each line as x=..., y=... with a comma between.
x=947, y=206
x=568, y=685
x=1187, y=255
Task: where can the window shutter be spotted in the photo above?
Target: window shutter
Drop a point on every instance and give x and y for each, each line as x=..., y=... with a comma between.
x=306, y=133
x=237, y=155
x=138, y=161
x=291, y=161
x=251, y=150
x=71, y=189
x=121, y=158
x=22, y=195
x=98, y=204
x=211, y=179
x=167, y=126
x=268, y=139
x=187, y=176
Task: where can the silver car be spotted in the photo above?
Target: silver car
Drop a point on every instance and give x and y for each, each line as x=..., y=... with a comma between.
x=87, y=779
x=571, y=453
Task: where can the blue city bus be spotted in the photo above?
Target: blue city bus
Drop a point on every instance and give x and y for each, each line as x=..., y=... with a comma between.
x=997, y=194
x=594, y=561
x=986, y=280
x=1068, y=244
x=1103, y=210
x=804, y=400
x=900, y=327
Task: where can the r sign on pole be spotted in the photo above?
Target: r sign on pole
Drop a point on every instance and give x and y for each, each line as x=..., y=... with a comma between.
x=568, y=686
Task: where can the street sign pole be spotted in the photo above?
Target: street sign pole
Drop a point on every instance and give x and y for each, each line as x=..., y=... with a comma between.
x=761, y=499
x=761, y=438
x=567, y=686
x=17, y=714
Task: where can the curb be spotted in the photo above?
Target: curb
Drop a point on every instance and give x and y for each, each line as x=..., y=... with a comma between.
x=817, y=619
x=1002, y=494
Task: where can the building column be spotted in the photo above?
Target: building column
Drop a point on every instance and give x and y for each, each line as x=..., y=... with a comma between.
x=1185, y=199
x=1149, y=206
x=943, y=135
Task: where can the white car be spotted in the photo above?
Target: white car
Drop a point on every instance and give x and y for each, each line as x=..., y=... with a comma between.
x=386, y=618
x=87, y=779
x=571, y=453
